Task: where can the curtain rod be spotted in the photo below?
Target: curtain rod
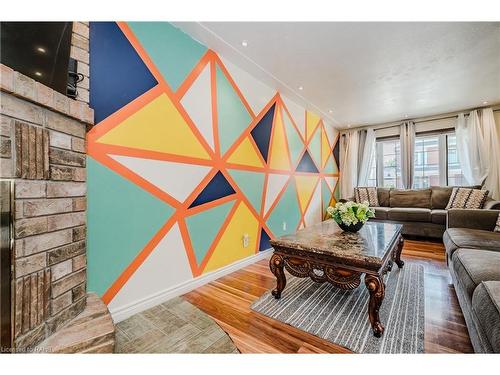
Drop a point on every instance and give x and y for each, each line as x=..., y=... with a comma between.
x=418, y=122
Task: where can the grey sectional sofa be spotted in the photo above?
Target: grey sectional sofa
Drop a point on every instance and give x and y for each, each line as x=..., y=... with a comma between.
x=422, y=211
x=473, y=256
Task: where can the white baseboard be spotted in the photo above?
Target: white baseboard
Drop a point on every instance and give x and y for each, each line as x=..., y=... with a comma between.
x=126, y=311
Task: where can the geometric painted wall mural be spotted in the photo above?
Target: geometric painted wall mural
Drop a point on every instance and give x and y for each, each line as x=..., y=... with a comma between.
x=184, y=166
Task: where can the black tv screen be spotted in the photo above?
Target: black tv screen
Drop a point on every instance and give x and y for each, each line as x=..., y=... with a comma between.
x=39, y=50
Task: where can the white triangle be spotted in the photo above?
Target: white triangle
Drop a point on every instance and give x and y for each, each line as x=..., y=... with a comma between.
x=176, y=179
x=197, y=102
x=313, y=213
x=166, y=267
x=275, y=183
x=256, y=93
x=331, y=181
x=298, y=114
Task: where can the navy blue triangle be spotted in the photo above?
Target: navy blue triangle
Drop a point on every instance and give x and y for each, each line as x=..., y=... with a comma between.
x=261, y=133
x=264, y=241
x=336, y=152
x=306, y=164
x=117, y=75
x=217, y=188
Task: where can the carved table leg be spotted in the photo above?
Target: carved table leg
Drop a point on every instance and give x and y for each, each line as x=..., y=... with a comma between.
x=376, y=287
x=399, y=262
x=276, y=265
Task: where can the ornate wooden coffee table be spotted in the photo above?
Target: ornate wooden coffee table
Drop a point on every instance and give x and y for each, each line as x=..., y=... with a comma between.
x=324, y=252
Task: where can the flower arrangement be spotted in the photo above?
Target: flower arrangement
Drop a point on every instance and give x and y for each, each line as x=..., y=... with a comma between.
x=351, y=214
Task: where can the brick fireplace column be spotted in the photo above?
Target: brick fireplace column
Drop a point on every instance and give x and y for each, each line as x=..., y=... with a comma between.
x=43, y=151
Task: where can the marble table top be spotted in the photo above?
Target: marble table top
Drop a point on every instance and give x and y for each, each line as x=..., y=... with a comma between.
x=370, y=244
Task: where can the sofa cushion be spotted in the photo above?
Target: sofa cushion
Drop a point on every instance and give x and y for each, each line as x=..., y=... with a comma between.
x=455, y=238
x=440, y=197
x=366, y=194
x=381, y=212
x=383, y=196
x=473, y=266
x=497, y=225
x=486, y=308
x=420, y=198
x=467, y=198
x=438, y=216
x=409, y=214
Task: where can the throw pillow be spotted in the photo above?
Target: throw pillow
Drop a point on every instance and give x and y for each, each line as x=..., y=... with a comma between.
x=497, y=228
x=467, y=198
x=366, y=194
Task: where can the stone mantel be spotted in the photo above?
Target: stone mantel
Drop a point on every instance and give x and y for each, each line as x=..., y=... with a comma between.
x=28, y=89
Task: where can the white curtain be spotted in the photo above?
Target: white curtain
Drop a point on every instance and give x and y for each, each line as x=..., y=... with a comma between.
x=470, y=147
x=478, y=149
x=366, y=152
x=491, y=153
x=407, y=150
x=464, y=151
x=349, y=163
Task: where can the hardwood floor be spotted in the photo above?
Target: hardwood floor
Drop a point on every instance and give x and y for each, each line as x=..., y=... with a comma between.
x=228, y=301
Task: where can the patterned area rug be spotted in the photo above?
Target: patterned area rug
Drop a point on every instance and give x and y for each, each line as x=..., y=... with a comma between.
x=341, y=317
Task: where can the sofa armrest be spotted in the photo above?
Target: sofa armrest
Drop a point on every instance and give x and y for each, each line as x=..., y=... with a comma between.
x=491, y=204
x=472, y=219
x=344, y=200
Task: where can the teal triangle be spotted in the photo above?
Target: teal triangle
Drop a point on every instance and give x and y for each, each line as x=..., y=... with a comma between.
x=326, y=194
x=330, y=166
x=173, y=52
x=315, y=146
x=251, y=184
x=286, y=211
x=232, y=113
x=203, y=228
x=121, y=219
x=295, y=144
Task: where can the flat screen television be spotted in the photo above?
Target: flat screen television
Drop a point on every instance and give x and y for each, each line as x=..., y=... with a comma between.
x=40, y=50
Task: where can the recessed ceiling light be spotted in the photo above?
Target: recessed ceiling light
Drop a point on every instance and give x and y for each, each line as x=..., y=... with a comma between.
x=406, y=116
x=41, y=49
x=38, y=74
x=349, y=125
x=485, y=102
x=244, y=43
x=301, y=88
x=330, y=111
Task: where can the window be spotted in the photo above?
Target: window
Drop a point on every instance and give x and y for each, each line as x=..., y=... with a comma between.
x=426, y=163
x=388, y=163
x=436, y=161
x=455, y=176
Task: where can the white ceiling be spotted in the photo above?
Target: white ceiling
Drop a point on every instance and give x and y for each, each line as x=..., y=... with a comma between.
x=366, y=73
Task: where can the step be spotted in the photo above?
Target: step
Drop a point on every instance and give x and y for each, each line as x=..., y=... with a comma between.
x=93, y=331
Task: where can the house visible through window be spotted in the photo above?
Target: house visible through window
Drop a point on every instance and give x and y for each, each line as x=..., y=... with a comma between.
x=387, y=165
x=426, y=163
x=436, y=162
x=455, y=176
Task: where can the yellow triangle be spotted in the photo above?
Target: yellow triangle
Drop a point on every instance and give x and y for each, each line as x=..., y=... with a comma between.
x=231, y=247
x=279, y=148
x=325, y=148
x=305, y=188
x=157, y=127
x=245, y=154
x=312, y=121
